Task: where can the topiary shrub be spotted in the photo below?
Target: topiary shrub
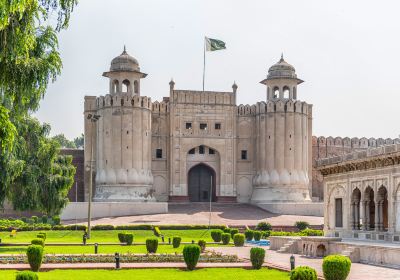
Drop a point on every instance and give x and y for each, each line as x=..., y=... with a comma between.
x=35, y=256
x=151, y=245
x=26, y=275
x=202, y=245
x=191, y=254
x=176, y=241
x=44, y=219
x=264, y=226
x=35, y=219
x=38, y=241
x=226, y=237
x=216, y=235
x=121, y=237
x=157, y=231
x=257, y=235
x=42, y=235
x=227, y=230
x=301, y=225
x=238, y=239
x=249, y=234
x=266, y=233
x=303, y=273
x=56, y=220
x=257, y=256
x=234, y=231
x=336, y=267
x=128, y=238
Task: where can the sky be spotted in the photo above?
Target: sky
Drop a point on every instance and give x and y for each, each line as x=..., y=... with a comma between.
x=347, y=52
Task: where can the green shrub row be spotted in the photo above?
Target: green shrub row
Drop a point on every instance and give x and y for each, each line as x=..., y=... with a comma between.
x=306, y=232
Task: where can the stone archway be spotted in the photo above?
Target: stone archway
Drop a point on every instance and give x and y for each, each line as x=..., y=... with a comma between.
x=201, y=183
x=321, y=251
x=382, y=206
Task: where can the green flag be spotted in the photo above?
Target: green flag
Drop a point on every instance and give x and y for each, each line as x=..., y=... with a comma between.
x=214, y=45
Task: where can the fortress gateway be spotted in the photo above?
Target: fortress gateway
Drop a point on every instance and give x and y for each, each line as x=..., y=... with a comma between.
x=196, y=146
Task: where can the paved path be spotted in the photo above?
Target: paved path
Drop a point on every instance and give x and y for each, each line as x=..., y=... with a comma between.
x=358, y=271
x=198, y=213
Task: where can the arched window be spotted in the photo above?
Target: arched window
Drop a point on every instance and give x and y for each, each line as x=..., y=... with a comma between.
x=276, y=92
x=125, y=86
x=115, y=86
x=286, y=92
x=136, y=86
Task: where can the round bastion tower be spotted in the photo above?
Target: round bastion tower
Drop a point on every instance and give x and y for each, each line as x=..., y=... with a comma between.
x=283, y=126
x=123, y=163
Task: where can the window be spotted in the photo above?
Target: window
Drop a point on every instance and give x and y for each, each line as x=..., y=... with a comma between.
x=217, y=126
x=203, y=126
x=211, y=151
x=201, y=150
x=158, y=153
x=125, y=85
x=244, y=154
x=188, y=125
x=338, y=213
x=286, y=92
x=191, y=151
x=276, y=92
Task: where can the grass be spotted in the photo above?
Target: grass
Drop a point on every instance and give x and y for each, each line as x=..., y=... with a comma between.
x=165, y=274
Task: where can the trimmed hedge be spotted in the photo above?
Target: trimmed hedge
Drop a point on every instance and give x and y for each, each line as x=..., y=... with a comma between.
x=227, y=230
x=191, y=254
x=216, y=235
x=38, y=241
x=234, y=231
x=129, y=238
x=70, y=227
x=257, y=235
x=257, y=256
x=176, y=241
x=121, y=237
x=336, y=267
x=264, y=226
x=56, y=220
x=103, y=227
x=202, y=245
x=133, y=227
x=249, y=234
x=35, y=256
x=26, y=275
x=151, y=245
x=238, y=239
x=226, y=237
x=303, y=273
x=45, y=219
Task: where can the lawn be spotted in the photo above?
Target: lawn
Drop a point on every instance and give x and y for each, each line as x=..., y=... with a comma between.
x=165, y=274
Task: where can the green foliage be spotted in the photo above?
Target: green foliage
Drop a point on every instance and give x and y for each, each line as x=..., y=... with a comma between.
x=266, y=234
x=63, y=141
x=202, y=245
x=249, y=234
x=257, y=256
x=121, y=237
x=79, y=141
x=303, y=273
x=70, y=227
x=151, y=245
x=103, y=227
x=257, y=235
x=56, y=220
x=176, y=241
x=301, y=225
x=336, y=267
x=35, y=256
x=191, y=254
x=38, y=241
x=157, y=231
x=226, y=237
x=35, y=219
x=227, y=230
x=238, y=239
x=26, y=275
x=129, y=238
x=234, y=231
x=264, y=226
x=312, y=232
x=44, y=219
x=41, y=236
x=216, y=235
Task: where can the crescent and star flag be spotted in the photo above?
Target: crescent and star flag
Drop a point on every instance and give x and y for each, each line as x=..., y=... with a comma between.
x=214, y=45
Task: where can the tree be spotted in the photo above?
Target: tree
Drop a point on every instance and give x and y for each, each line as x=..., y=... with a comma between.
x=79, y=141
x=64, y=142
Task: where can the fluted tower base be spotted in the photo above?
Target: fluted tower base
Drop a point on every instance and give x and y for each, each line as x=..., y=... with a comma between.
x=282, y=193
x=124, y=193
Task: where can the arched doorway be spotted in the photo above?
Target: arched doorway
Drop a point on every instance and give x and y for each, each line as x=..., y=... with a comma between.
x=382, y=209
x=369, y=209
x=201, y=183
x=321, y=251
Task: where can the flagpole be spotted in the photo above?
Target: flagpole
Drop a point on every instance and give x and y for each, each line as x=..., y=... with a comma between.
x=204, y=61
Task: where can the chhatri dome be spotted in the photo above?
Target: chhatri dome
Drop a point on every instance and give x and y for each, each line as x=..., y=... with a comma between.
x=282, y=70
x=124, y=62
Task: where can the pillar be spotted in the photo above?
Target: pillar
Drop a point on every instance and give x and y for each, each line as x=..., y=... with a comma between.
x=357, y=215
x=363, y=216
x=367, y=213
x=352, y=215
x=377, y=215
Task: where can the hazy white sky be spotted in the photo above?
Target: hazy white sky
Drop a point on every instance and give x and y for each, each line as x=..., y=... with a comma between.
x=348, y=53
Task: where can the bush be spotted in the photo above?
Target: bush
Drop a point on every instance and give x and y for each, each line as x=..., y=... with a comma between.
x=35, y=256
x=152, y=245
x=202, y=245
x=227, y=230
x=35, y=219
x=266, y=233
x=42, y=236
x=44, y=219
x=121, y=237
x=249, y=234
x=336, y=267
x=103, y=227
x=303, y=273
x=190, y=227
x=134, y=227
x=38, y=241
x=128, y=238
x=234, y=231
x=216, y=235
x=264, y=226
x=312, y=232
x=257, y=256
x=191, y=254
x=26, y=275
x=176, y=241
x=24, y=219
x=226, y=237
x=157, y=231
x=238, y=239
x=301, y=225
x=257, y=235
x=56, y=220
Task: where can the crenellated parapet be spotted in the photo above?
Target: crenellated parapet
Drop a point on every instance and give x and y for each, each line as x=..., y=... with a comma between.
x=125, y=100
x=356, y=143
x=203, y=97
x=160, y=107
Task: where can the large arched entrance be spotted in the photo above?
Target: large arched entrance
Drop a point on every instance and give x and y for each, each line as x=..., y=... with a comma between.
x=201, y=183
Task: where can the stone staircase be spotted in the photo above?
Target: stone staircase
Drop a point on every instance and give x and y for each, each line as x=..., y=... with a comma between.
x=352, y=252
x=288, y=247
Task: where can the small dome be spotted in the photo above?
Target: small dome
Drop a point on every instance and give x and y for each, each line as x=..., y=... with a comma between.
x=281, y=70
x=124, y=62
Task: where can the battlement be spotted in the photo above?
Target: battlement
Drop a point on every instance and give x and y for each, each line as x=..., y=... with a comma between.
x=273, y=106
x=356, y=143
x=123, y=100
x=160, y=107
x=203, y=97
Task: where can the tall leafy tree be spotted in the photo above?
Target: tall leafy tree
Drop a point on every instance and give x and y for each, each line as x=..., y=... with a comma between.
x=64, y=142
x=79, y=141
